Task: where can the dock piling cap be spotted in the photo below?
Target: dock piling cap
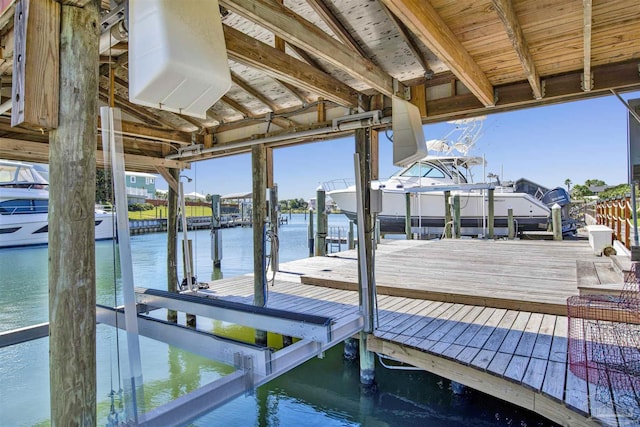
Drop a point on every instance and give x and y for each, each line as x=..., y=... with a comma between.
x=556, y=206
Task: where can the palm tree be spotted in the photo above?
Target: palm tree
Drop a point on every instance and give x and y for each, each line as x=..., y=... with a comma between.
x=568, y=183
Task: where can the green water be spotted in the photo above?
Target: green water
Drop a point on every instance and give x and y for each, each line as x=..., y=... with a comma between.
x=322, y=392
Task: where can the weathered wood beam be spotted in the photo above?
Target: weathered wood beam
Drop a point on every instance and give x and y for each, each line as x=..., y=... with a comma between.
x=72, y=261
x=299, y=32
x=336, y=26
x=425, y=22
x=277, y=64
x=168, y=176
x=406, y=36
x=558, y=89
x=137, y=130
x=30, y=151
x=587, y=79
x=504, y=9
x=36, y=64
x=295, y=92
x=235, y=78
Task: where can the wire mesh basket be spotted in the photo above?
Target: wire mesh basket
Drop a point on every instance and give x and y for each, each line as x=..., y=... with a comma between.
x=604, y=345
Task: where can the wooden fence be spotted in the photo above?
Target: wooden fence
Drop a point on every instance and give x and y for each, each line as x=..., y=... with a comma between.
x=617, y=215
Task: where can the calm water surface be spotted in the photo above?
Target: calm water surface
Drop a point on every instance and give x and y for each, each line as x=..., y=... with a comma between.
x=322, y=392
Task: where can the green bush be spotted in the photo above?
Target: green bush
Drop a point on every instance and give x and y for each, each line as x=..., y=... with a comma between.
x=138, y=207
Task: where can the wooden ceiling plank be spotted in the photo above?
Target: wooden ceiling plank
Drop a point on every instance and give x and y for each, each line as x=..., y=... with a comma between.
x=294, y=91
x=235, y=78
x=413, y=47
x=587, y=79
x=423, y=20
x=336, y=26
x=504, y=9
x=277, y=64
x=297, y=31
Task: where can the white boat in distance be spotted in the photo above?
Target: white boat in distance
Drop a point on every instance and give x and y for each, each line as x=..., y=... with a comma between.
x=24, y=207
x=427, y=180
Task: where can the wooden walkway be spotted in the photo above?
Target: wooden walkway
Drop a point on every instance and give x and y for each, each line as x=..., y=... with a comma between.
x=427, y=316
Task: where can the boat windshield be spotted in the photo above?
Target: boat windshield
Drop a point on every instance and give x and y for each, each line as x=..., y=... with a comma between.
x=20, y=175
x=423, y=170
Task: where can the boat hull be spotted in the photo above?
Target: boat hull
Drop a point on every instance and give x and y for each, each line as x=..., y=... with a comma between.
x=428, y=211
x=33, y=230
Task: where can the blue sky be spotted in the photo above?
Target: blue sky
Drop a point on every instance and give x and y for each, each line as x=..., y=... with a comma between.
x=578, y=140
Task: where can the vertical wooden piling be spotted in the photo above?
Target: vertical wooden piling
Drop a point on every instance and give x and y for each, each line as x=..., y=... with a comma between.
x=556, y=221
x=321, y=234
x=456, y=216
x=448, y=224
x=72, y=166
x=273, y=214
x=351, y=241
x=490, y=214
x=172, y=241
x=216, y=236
x=259, y=169
x=407, y=217
x=510, y=224
x=363, y=149
x=310, y=233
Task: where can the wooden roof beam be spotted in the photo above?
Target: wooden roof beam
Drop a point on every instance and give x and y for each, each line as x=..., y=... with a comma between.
x=413, y=47
x=509, y=19
x=336, y=26
x=297, y=31
x=423, y=20
x=279, y=65
x=587, y=78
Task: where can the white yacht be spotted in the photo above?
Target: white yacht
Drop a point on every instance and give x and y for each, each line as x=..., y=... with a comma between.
x=428, y=179
x=24, y=200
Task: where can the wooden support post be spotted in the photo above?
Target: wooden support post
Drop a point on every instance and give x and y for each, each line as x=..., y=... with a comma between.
x=72, y=165
x=321, y=234
x=556, y=221
x=216, y=235
x=311, y=233
x=351, y=241
x=172, y=241
x=510, y=224
x=259, y=169
x=491, y=215
x=273, y=214
x=36, y=66
x=456, y=216
x=448, y=224
x=363, y=149
x=407, y=217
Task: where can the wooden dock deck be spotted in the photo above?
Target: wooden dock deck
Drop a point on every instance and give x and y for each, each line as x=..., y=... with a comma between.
x=490, y=315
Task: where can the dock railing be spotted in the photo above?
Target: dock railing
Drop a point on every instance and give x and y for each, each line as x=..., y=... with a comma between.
x=616, y=214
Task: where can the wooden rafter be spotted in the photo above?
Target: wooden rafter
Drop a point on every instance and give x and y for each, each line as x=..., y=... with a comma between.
x=507, y=14
x=237, y=106
x=413, y=47
x=132, y=110
x=423, y=20
x=302, y=33
x=587, y=80
x=306, y=57
x=253, y=92
x=336, y=26
x=277, y=64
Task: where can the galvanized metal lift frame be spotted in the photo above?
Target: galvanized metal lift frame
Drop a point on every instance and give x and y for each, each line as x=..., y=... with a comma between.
x=255, y=365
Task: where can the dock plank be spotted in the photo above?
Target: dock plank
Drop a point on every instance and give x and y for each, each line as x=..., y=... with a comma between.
x=542, y=346
x=535, y=374
x=554, y=380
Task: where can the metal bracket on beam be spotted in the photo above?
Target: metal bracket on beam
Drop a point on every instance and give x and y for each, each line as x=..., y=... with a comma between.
x=357, y=121
x=586, y=81
x=116, y=15
x=190, y=150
